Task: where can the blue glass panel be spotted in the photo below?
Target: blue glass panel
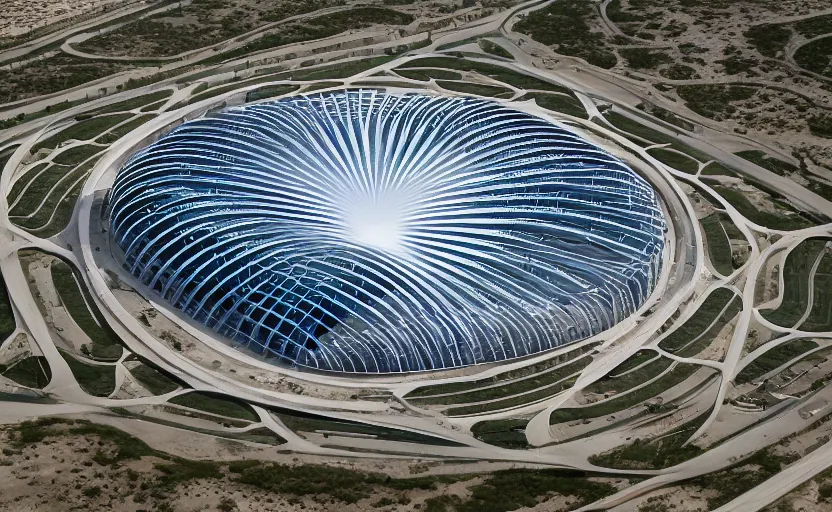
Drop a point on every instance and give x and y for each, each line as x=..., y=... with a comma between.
x=362, y=231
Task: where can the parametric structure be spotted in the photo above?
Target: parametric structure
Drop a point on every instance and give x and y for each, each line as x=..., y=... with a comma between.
x=363, y=231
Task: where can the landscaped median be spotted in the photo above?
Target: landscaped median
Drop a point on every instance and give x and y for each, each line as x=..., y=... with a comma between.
x=774, y=358
x=300, y=423
x=699, y=331
x=557, y=102
x=7, y=323
x=32, y=371
x=43, y=199
x=776, y=213
x=153, y=380
x=658, y=452
x=511, y=389
x=215, y=403
x=510, y=433
x=678, y=373
x=719, y=232
x=105, y=344
x=673, y=152
x=496, y=72
x=95, y=379
x=799, y=281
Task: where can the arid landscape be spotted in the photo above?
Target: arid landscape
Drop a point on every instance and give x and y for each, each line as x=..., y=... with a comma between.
x=713, y=394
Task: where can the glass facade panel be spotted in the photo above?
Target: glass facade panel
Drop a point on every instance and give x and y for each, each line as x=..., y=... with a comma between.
x=370, y=232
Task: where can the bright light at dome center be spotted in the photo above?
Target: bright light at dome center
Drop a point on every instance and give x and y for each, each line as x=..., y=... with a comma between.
x=372, y=232
x=377, y=224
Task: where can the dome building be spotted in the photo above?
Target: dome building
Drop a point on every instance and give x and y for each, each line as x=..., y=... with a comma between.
x=372, y=232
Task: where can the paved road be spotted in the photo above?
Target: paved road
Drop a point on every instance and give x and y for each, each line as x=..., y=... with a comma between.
x=685, y=245
x=811, y=291
x=782, y=483
x=190, y=55
x=31, y=46
x=786, y=422
x=607, y=21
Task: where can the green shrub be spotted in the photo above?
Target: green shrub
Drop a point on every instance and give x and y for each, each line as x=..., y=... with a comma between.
x=769, y=40
x=121, y=131
x=304, y=422
x=635, y=360
x=474, y=88
x=317, y=28
x=678, y=341
x=732, y=482
x=341, y=70
x=509, y=490
x=642, y=58
x=133, y=103
x=766, y=161
x=184, y=470
x=736, y=64
x=7, y=323
x=84, y=130
x=215, y=403
x=563, y=25
x=97, y=380
x=558, y=103
x=786, y=219
x=32, y=371
x=774, y=358
x=617, y=404
x=631, y=129
x=153, y=380
x=227, y=504
x=719, y=247
x=105, y=344
x=91, y=492
x=269, y=91
x=814, y=26
x=510, y=433
x=717, y=169
x=796, y=271
x=617, y=15
x=621, y=381
x=426, y=74
x=714, y=101
x=821, y=126
x=344, y=485
x=192, y=26
x=675, y=160
x=494, y=49
x=494, y=71
x=661, y=452
x=51, y=75
x=75, y=155
x=679, y=72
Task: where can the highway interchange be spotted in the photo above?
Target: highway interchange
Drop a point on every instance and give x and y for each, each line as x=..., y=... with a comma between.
x=687, y=280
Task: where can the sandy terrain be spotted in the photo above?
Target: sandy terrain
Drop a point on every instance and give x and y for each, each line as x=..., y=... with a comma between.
x=55, y=315
x=704, y=43
x=68, y=472
x=166, y=330
x=670, y=498
x=15, y=349
x=21, y=16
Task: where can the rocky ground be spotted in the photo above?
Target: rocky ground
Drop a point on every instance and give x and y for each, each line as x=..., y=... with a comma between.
x=74, y=464
x=730, y=63
x=19, y=17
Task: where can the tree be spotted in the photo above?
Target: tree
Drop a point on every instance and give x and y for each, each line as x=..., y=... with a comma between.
x=227, y=504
